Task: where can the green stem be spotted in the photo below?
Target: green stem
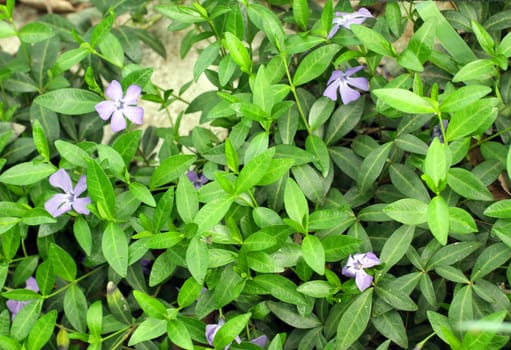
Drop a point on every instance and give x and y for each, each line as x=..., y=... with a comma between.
x=73, y=282
x=293, y=91
x=480, y=142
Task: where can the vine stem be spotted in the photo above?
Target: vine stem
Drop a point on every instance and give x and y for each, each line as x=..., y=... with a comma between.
x=293, y=90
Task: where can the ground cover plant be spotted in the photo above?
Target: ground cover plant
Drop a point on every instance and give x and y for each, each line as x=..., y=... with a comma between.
x=360, y=199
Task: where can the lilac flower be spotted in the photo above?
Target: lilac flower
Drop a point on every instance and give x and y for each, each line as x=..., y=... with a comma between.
x=61, y=203
x=437, y=130
x=212, y=329
x=119, y=106
x=196, y=179
x=346, y=19
x=15, y=306
x=343, y=82
x=355, y=268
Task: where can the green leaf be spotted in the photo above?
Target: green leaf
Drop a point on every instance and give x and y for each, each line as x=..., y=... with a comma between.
x=117, y=303
x=504, y=47
x=288, y=314
x=295, y=203
x=63, y=264
x=72, y=153
x=100, y=189
x=391, y=325
x=189, y=292
x=179, y=335
x=115, y=248
x=407, y=211
x=499, y=209
x=438, y=219
x=466, y=184
x=436, y=164
x=68, y=59
x=301, y=13
x=254, y=171
x=320, y=111
x=170, y=169
x=181, y=14
x=188, y=199
x=259, y=241
x=395, y=297
x=70, y=101
x=112, y=49
x=6, y=30
x=343, y=120
x=421, y=42
x=442, y=327
x=276, y=170
x=472, y=119
x=316, y=289
x=211, y=213
x=490, y=259
x=197, y=258
x=42, y=331
x=372, y=166
x=315, y=145
x=238, y=52
x=262, y=92
x=230, y=330
x=127, y=145
x=35, y=32
x=463, y=97
x=354, y=320
x=281, y=288
x=150, y=305
x=23, y=174
x=95, y=319
x=452, y=253
x=460, y=221
x=149, y=329
x=483, y=38
x=477, y=70
x=314, y=64
x=479, y=333
x=313, y=253
x=373, y=40
x=406, y=181
x=409, y=60
x=461, y=308
x=396, y=246
x=142, y=193
x=404, y=101
x=232, y=285
x=75, y=307
x=25, y=320
x=40, y=140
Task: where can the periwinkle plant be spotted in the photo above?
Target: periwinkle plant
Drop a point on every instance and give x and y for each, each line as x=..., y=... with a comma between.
x=357, y=200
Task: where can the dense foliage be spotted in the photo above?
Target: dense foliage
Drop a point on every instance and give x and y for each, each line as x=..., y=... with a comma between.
x=360, y=199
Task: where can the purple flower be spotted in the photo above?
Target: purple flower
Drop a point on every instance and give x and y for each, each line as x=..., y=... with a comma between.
x=355, y=268
x=15, y=306
x=61, y=203
x=196, y=179
x=437, y=130
x=120, y=106
x=346, y=19
x=343, y=82
x=212, y=329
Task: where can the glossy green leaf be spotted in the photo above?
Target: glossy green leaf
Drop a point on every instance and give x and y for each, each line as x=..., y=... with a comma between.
x=316, y=289
x=281, y=288
x=461, y=308
x=343, y=120
x=468, y=185
x=391, y=325
x=406, y=181
x=491, y=258
x=72, y=153
x=477, y=70
x=421, y=42
x=149, y=329
x=25, y=320
x=211, y=213
x=63, y=264
x=288, y=314
x=396, y=246
x=373, y=40
x=23, y=174
x=75, y=307
x=452, y=253
x=460, y=221
x=170, y=169
x=372, y=166
x=197, y=258
x=238, y=52
x=150, y=305
x=189, y=292
x=35, y=32
x=438, y=219
x=100, y=188
x=396, y=298
x=471, y=119
x=499, y=209
x=313, y=253
x=41, y=333
x=354, y=320
x=404, y=101
x=314, y=64
x=436, y=164
x=254, y=171
x=188, y=199
x=115, y=248
x=70, y=101
x=442, y=327
x=142, y=193
x=178, y=334
x=295, y=203
x=407, y=211
x=463, y=97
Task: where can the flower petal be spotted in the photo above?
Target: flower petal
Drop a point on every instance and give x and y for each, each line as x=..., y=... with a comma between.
x=360, y=83
x=132, y=95
x=333, y=31
x=114, y=91
x=363, y=280
x=118, y=122
x=135, y=114
x=260, y=341
x=369, y=260
x=58, y=205
x=15, y=306
x=31, y=284
x=105, y=109
x=331, y=91
x=81, y=186
x=347, y=93
x=353, y=70
x=61, y=179
x=336, y=75
x=211, y=330
x=80, y=205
